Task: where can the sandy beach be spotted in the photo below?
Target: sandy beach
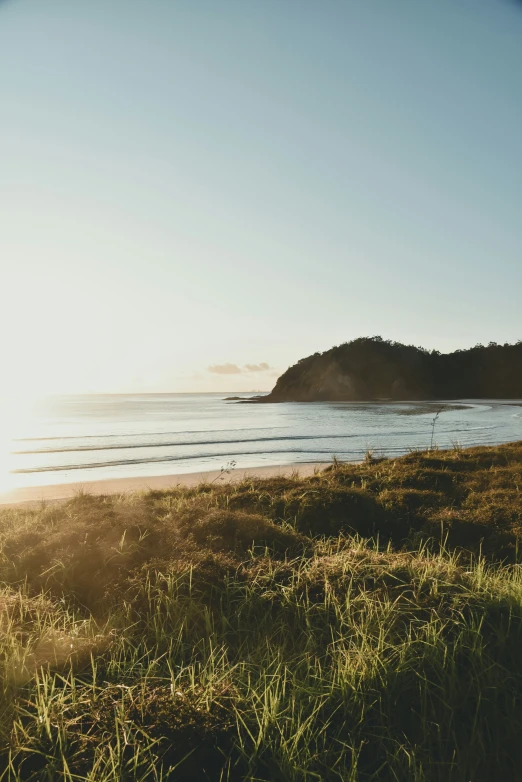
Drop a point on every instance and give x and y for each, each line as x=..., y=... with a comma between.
x=32, y=495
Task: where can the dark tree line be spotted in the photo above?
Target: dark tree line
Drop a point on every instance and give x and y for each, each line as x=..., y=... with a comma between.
x=374, y=368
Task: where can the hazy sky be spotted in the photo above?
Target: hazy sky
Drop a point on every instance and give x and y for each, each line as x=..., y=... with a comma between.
x=194, y=190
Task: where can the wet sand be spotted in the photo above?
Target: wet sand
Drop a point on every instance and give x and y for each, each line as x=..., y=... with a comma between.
x=34, y=495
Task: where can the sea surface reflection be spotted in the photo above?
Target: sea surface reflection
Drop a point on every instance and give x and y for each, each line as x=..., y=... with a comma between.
x=87, y=438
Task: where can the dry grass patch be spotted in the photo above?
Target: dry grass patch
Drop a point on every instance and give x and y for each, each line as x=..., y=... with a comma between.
x=361, y=624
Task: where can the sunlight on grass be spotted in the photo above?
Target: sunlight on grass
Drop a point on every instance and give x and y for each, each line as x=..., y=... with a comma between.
x=361, y=624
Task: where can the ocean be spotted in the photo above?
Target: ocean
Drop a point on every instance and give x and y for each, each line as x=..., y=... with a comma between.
x=73, y=439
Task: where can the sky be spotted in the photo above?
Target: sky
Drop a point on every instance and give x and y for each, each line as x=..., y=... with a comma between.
x=195, y=195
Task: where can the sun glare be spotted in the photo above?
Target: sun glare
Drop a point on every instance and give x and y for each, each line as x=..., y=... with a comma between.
x=8, y=418
x=55, y=344
x=15, y=415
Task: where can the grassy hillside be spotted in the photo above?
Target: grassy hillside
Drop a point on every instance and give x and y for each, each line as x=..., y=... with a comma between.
x=361, y=624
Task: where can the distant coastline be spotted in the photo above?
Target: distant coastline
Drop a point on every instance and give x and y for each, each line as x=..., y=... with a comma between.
x=372, y=369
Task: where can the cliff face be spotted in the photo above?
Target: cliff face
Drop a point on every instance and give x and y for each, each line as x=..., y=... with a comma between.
x=372, y=368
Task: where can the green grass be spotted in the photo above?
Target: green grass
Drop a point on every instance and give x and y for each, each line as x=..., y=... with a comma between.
x=361, y=624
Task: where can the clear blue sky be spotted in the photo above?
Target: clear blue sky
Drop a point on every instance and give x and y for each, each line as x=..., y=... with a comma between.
x=188, y=184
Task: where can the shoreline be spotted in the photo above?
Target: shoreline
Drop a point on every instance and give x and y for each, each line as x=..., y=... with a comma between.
x=34, y=495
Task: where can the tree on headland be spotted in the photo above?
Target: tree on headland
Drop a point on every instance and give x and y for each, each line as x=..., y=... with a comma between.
x=375, y=368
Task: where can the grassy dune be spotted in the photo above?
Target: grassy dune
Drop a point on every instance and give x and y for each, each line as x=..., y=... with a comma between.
x=361, y=624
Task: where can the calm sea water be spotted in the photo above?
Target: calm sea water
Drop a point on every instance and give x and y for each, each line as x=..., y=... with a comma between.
x=82, y=438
